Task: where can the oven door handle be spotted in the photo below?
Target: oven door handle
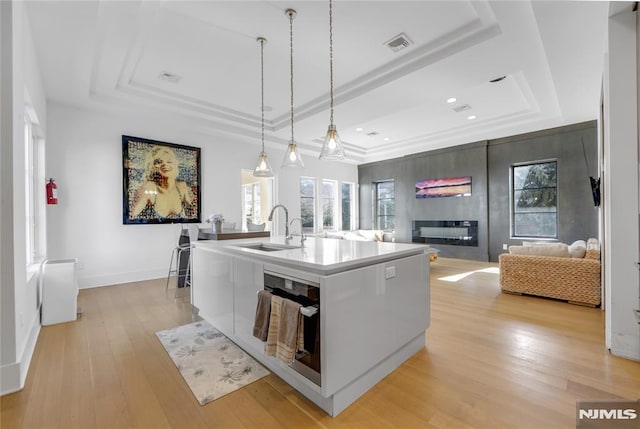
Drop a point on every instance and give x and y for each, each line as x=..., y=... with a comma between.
x=309, y=311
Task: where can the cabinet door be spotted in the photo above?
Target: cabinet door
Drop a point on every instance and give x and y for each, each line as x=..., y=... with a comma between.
x=369, y=313
x=213, y=288
x=248, y=280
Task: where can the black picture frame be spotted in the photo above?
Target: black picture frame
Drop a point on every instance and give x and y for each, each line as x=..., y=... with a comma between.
x=161, y=182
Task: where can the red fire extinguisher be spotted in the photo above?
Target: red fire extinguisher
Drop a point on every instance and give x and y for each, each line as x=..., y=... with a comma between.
x=52, y=192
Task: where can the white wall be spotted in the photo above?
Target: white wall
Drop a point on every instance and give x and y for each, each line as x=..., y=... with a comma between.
x=20, y=311
x=84, y=155
x=621, y=188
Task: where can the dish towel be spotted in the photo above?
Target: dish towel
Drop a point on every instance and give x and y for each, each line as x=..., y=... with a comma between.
x=286, y=329
x=263, y=312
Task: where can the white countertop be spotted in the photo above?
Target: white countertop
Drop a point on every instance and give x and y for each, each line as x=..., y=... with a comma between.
x=320, y=255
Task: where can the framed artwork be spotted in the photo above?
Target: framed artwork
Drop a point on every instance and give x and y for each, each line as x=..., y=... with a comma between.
x=161, y=182
x=449, y=187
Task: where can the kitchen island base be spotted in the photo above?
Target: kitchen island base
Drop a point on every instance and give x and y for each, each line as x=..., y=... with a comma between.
x=341, y=399
x=367, y=303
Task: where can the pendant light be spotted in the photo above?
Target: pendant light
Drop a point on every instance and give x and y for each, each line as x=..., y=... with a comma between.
x=292, y=156
x=263, y=168
x=332, y=147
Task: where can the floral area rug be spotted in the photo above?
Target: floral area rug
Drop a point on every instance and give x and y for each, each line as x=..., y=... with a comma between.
x=209, y=362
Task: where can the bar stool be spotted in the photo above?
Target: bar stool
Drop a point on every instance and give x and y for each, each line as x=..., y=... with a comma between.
x=194, y=233
x=182, y=272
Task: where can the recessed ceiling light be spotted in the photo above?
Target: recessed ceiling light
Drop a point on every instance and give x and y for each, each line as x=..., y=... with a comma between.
x=386, y=139
x=471, y=117
x=359, y=129
x=451, y=100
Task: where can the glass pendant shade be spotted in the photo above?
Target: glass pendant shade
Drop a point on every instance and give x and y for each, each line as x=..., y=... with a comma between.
x=292, y=156
x=332, y=147
x=263, y=168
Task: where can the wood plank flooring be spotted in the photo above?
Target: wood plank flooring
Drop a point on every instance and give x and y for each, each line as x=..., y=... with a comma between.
x=492, y=360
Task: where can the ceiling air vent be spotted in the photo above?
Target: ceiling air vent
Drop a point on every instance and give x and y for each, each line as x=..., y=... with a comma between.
x=399, y=42
x=169, y=77
x=461, y=108
x=373, y=133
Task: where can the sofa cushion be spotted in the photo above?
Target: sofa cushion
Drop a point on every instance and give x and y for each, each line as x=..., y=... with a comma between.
x=577, y=249
x=551, y=249
x=537, y=243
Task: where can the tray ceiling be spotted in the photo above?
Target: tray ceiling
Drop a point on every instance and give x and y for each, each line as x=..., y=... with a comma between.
x=113, y=55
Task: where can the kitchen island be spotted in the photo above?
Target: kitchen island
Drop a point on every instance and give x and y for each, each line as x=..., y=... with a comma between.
x=371, y=306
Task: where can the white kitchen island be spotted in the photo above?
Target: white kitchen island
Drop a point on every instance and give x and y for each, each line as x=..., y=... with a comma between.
x=373, y=311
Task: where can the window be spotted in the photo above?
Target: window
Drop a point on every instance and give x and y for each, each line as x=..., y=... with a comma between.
x=307, y=202
x=347, y=206
x=329, y=206
x=534, y=204
x=334, y=205
x=34, y=191
x=385, y=209
x=252, y=202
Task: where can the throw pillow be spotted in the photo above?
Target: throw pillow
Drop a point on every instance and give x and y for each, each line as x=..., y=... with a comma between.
x=354, y=236
x=370, y=234
x=578, y=249
x=593, y=249
x=338, y=235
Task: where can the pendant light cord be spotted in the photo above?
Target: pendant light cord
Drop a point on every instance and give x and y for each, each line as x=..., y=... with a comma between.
x=291, y=66
x=262, y=88
x=331, y=60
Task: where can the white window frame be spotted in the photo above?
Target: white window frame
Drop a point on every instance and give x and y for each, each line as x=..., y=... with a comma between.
x=333, y=198
x=35, y=199
x=318, y=204
x=314, y=205
x=352, y=205
x=255, y=203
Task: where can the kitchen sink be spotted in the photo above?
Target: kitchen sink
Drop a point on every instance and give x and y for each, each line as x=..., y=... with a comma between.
x=267, y=247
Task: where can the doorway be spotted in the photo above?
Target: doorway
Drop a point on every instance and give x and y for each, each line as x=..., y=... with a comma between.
x=257, y=198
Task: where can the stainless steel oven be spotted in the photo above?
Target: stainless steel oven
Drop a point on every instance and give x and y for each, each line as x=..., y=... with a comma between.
x=306, y=293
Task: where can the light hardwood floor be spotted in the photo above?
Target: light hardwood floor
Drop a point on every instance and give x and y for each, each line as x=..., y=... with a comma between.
x=492, y=360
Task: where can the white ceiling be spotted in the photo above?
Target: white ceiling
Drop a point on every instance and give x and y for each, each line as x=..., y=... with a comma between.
x=109, y=55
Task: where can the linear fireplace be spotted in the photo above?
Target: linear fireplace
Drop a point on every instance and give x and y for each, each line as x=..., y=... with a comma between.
x=453, y=232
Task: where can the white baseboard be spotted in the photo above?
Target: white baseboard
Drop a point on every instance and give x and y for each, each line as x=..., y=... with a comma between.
x=88, y=282
x=14, y=375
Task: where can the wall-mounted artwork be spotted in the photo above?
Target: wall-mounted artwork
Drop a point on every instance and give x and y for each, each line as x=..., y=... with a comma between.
x=449, y=187
x=161, y=182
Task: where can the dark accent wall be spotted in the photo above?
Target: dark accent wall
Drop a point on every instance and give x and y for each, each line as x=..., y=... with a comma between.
x=488, y=163
x=577, y=215
x=464, y=160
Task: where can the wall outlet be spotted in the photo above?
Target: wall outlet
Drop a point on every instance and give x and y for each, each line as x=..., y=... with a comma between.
x=505, y=246
x=390, y=272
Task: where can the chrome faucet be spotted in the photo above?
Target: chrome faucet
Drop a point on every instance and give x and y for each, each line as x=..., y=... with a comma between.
x=302, y=236
x=286, y=218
